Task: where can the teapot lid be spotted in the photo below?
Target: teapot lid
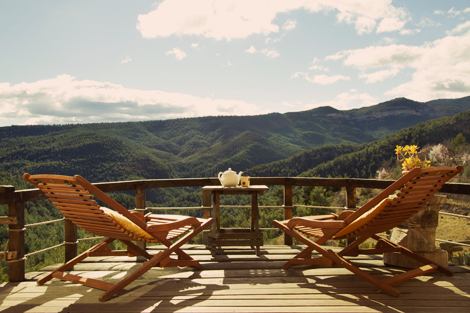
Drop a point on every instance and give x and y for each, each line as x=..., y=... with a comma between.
x=229, y=170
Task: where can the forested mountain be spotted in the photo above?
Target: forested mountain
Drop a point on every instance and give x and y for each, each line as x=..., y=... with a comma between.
x=201, y=147
x=363, y=161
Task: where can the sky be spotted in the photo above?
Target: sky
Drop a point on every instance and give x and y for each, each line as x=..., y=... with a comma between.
x=90, y=61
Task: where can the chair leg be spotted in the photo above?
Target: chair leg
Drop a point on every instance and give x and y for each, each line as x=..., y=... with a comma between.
x=305, y=256
x=154, y=261
x=354, y=269
x=183, y=258
x=74, y=261
x=330, y=258
x=136, y=249
x=418, y=258
x=162, y=259
x=136, y=274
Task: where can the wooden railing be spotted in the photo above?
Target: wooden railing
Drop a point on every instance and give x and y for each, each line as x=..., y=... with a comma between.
x=15, y=199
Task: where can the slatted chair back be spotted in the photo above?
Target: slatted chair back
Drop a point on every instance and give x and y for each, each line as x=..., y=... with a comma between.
x=77, y=204
x=418, y=188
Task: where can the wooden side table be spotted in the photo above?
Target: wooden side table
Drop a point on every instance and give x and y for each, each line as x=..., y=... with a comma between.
x=235, y=236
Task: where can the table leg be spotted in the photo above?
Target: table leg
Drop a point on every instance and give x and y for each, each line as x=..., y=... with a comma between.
x=255, y=217
x=216, y=216
x=217, y=211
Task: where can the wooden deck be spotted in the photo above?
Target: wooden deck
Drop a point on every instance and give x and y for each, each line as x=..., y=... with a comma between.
x=238, y=281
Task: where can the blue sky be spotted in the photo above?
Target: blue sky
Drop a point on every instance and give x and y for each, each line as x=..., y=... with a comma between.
x=86, y=61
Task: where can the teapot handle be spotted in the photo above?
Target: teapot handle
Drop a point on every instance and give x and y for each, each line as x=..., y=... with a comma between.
x=220, y=174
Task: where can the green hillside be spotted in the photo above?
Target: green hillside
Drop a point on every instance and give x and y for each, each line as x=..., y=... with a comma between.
x=201, y=147
x=363, y=161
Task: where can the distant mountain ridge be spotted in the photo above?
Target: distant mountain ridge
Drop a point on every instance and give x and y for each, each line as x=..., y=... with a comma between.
x=363, y=161
x=391, y=116
x=201, y=147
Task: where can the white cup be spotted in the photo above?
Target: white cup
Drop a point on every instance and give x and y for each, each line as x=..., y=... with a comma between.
x=245, y=181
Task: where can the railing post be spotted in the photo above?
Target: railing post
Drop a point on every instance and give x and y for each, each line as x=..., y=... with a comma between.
x=288, y=194
x=16, y=266
x=71, y=243
x=140, y=198
x=140, y=207
x=206, y=204
x=351, y=197
x=350, y=203
x=206, y=213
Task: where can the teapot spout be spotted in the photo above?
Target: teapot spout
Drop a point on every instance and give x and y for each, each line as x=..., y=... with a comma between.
x=240, y=175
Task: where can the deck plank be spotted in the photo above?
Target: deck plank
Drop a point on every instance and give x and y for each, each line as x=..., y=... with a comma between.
x=235, y=280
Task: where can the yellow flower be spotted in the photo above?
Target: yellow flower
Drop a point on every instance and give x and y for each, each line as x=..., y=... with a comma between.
x=408, y=156
x=413, y=149
x=398, y=149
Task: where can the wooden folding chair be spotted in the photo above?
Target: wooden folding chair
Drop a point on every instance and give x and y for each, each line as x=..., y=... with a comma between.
x=73, y=196
x=380, y=214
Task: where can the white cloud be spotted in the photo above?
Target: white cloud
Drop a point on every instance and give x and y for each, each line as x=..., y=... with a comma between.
x=452, y=12
x=410, y=31
x=126, y=60
x=427, y=22
x=178, y=53
x=379, y=75
x=388, y=40
x=346, y=101
x=232, y=19
x=328, y=80
x=336, y=56
x=390, y=24
x=64, y=99
x=269, y=53
x=290, y=24
x=251, y=50
x=269, y=39
x=459, y=29
x=320, y=79
x=379, y=56
x=441, y=68
x=319, y=68
x=195, y=45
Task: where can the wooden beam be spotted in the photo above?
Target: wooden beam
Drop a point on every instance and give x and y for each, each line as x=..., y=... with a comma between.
x=71, y=243
x=11, y=255
x=8, y=220
x=16, y=242
x=288, y=195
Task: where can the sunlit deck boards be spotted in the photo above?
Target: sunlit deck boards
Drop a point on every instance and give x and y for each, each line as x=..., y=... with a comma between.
x=238, y=281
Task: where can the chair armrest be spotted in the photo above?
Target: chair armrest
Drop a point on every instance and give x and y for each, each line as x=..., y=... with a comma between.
x=169, y=222
x=345, y=214
x=138, y=215
x=315, y=223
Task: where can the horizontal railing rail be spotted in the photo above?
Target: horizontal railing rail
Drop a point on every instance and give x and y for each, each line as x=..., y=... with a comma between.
x=15, y=250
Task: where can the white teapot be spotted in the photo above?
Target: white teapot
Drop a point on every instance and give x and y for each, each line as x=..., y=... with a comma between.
x=230, y=178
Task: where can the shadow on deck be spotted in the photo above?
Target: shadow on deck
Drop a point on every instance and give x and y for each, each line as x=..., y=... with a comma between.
x=238, y=281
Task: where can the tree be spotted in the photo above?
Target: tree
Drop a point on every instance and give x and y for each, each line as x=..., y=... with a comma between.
x=458, y=142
